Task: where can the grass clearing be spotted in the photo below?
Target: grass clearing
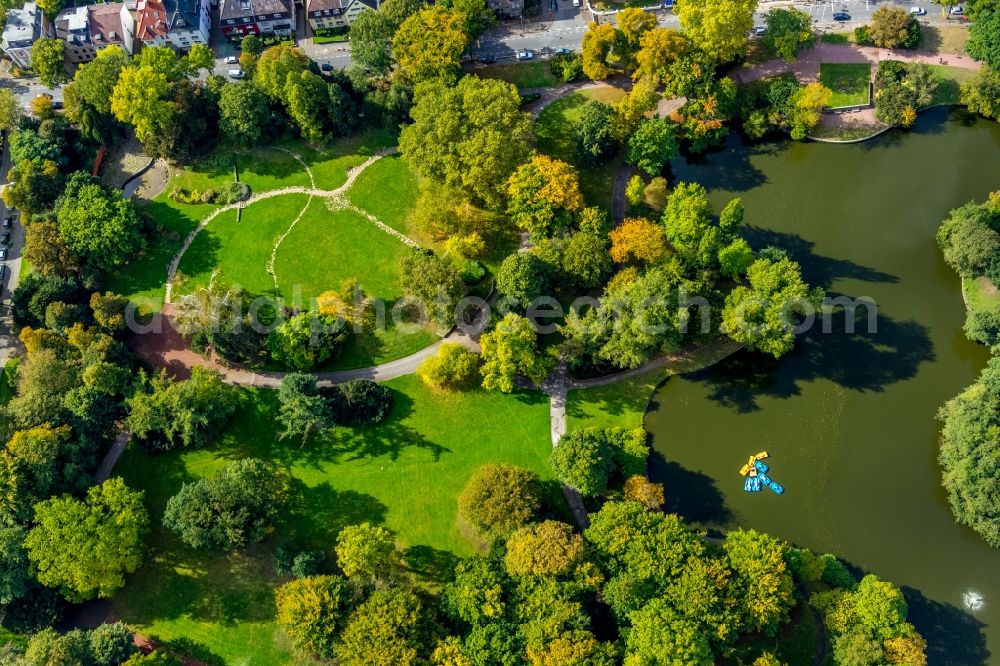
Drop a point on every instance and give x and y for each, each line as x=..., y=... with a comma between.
x=404, y=474
x=949, y=39
x=837, y=37
x=531, y=74
x=981, y=294
x=950, y=79
x=848, y=81
x=554, y=131
x=388, y=190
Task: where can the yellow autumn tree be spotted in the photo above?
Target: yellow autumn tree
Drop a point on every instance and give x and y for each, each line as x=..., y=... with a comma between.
x=909, y=650
x=640, y=489
x=429, y=44
x=597, y=44
x=633, y=23
x=638, y=239
x=633, y=107
x=544, y=196
x=718, y=27
x=809, y=104
x=658, y=48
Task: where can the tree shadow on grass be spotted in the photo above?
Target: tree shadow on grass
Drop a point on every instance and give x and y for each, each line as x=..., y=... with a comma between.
x=202, y=256
x=318, y=513
x=186, y=647
x=692, y=495
x=954, y=637
x=431, y=564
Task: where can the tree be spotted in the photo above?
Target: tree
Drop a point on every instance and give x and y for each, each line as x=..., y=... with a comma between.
x=544, y=195
x=109, y=310
x=34, y=187
x=523, y=277
x=735, y=259
x=41, y=107
x=305, y=340
x=96, y=80
x=597, y=44
x=252, y=44
x=471, y=136
x=894, y=27
x=658, y=49
x=549, y=548
x=365, y=550
x=717, y=27
x=243, y=113
x=312, y=611
x=764, y=314
x=303, y=410
x=306, y=97
x=763, y=584
x=48, y=648
x=633, y=24
x=689, y=225
x=984, y=36
x=661, y=634
x=968, y=240
x=273, y=68
x=154, y=658
x=509, y=350
x=452, y=367
x=498, y=499
x=594, y=133
x=388, y=628
x=10, y=109
x=639, y=489
x=788, y=31
x=139, y=99
x=111, y=644
x=85, y=547
x=164, y=414
x=981, y=93
x=15, y=581
x=638, y=239
x=98, y=223
x=809, y=102
x=235, y=506
x=435, y=282
x=582, y=460
x=48, y=59
x=586, y=261
x=200, y=57
x=477, y=16
x=653, y=145
x=46, y=250
x=429, y=44
x=632, y=108
x=371, y=46
x=359, y=402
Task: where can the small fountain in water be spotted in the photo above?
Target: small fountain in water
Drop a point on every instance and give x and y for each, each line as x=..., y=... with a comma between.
x=973, y=600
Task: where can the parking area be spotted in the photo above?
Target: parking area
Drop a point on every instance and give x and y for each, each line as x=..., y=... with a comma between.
x=12, y=241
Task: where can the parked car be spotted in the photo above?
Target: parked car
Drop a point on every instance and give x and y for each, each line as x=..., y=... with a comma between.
x=4, y=238
x=524, y=55
x=918, y=11
x=487, y=59
x=841, y=16
x=554, y=6
x=3, y=254
x=7, y=221
x=232, y=60
x=236, y=73
x=576, y=3
x=957, y=10
x=562, y=50
x=758, y=31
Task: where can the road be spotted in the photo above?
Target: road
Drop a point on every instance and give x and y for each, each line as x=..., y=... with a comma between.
x=9, y=344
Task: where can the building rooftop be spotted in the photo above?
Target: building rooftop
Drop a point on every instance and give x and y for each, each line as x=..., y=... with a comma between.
x=265, y=7
x=235, y=9
x=23, y=25
x=323, y=5
x=106, y=23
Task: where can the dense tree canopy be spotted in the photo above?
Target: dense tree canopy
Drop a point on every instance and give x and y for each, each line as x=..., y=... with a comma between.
x=981, y=93
x=984, y=36
x=48, y=60
x=788, y=31
x=97, y=223
x=894, y=27
x=509, y=350
x=544, y=196
x=312, y=611
x=498, y=499
x=429, y=44
x=717, y=27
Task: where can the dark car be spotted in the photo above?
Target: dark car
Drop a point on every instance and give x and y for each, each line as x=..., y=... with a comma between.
x=5, y=238
x=326, y=67
x=554, y=5
x=487, y=59
x=562, y=50
x=841, y=16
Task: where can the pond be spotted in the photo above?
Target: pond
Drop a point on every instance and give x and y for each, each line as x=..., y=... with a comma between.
x=849, y=419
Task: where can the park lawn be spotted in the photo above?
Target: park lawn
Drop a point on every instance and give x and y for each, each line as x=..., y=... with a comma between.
x=380, y=346
x=8, y=376
x=981, y=294
x=238, y=252
x=531, y=74
x=405, y=474
x=330, y=163
x=388, y=190
x=848, y=81
x=328, y=247
x=554, y=132
x=944, y=39
x=950, y=80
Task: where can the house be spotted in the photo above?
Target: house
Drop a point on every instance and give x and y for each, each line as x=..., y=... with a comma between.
x=87, y=30
x=239, y=18
x=23, y=27
x=506, y=8
x=328, y=14
x=177, y=23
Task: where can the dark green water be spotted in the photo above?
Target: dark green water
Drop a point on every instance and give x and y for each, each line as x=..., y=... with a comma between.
x=849, y=419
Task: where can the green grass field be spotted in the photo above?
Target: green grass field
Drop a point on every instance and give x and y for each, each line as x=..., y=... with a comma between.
x=848, y=81
x=388, y=190
x=404, y=474
x=981, y=294
x=554, y=131
x=532, y=74
x=950, y=79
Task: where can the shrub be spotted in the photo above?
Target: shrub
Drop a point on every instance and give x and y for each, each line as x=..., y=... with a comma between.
x=358, y=402
x=235, y=192
x=522, y=277
x=111, y=644
x=364, y=550
x=582, y=459
x=312, y=611
x=452, y=367
x=307, y=339
x=983, y=326
x=567, y=67
x=500, y=498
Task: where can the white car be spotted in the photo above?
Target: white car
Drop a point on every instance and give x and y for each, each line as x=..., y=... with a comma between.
x=957, y=10
x=524, y=55
x=232, y=60
x=918, y=11
x=235, y=73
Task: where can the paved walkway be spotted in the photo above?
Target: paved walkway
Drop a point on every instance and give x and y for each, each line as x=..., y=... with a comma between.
x=556, y=385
